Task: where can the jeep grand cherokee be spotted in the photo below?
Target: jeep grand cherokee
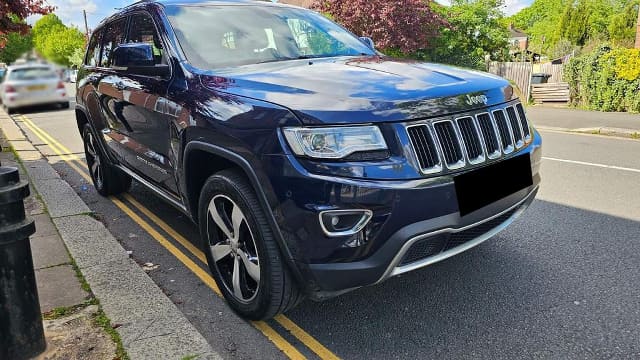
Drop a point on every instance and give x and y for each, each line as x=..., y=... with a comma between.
x=312, y=164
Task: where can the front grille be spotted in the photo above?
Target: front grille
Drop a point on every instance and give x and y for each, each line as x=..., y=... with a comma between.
x=424, y=147
x=523, y=121
x=515, y=126
x=436, y=244
x=469, y=139
x=448, y=139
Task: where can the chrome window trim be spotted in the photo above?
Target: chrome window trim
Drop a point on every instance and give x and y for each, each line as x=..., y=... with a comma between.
x=460, y=163
x=480, y=159
x=436, y=168
x=496, y=154
x=393, y=269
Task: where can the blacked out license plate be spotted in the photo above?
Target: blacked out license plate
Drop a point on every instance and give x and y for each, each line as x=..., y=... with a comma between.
x=481, y=187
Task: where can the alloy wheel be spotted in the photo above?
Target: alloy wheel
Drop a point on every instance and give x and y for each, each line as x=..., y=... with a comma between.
x=233, y=248
x=94, y=161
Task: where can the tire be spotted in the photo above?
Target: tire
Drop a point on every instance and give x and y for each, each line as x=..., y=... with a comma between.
x=106, y=179
x=9, y=110
x=228, y=193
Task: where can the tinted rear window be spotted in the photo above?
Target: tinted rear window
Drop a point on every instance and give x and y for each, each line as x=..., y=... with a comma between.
x=32, y=74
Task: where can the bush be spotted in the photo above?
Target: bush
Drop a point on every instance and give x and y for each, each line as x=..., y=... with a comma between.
x=606, y=79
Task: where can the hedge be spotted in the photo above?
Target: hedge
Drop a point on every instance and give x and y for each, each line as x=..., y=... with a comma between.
x=606, y=79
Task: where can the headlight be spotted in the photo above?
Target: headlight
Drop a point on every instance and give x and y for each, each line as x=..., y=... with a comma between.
x=334, y=142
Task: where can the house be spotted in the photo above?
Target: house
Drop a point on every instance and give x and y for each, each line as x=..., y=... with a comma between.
x=518, y=40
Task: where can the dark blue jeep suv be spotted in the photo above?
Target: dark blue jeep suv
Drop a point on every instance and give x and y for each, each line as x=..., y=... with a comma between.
x=312, y=164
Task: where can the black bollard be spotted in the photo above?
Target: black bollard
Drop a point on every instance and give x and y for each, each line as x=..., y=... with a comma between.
x=21, y=333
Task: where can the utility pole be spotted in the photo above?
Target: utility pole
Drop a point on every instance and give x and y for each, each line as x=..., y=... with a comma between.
x=638, y=30
x=86, y=27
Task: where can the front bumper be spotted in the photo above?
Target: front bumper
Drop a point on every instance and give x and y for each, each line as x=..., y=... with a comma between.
x=435, y=239
x=415, y=222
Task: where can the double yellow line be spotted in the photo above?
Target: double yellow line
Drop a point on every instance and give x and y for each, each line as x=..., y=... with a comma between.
x=287, y=348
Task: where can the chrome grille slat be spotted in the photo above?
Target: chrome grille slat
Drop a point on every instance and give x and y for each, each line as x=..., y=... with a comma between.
x=515, y=126
x=489, y=134
x=451, y=147
x=425, y=148
x=504, y=130
x=471, y=139
x=523, y=121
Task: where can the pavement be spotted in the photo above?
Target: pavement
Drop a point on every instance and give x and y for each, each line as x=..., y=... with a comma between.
x=148, y=323
x=561, y=282
x=583, y=121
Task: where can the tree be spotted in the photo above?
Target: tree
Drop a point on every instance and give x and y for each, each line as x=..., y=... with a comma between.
x=12, y=12
x=404, y=26
x=540, y=22
x=15, y=46
x=77, y=58
x=56, y=42
x=477, y=30
x=622, y=25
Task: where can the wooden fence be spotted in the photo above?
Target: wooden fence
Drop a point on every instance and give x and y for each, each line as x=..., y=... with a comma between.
x=555, y=70
x=518, y=72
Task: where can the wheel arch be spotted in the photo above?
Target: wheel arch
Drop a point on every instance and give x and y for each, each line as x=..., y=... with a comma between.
x=225, y=159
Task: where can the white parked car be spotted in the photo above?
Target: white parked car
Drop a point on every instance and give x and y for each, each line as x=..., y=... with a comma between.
x=32, y=84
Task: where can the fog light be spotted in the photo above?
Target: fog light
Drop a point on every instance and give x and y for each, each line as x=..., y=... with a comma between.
x=344, y=222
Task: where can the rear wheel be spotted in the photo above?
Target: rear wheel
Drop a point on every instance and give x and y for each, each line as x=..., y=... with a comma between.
x=64, y=105
x=242, y=253
x=106, y=179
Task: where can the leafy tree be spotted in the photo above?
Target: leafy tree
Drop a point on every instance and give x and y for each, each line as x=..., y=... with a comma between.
x=476, y=30
x=56, y=42
x=396, y=26
x=15, y=46
x=12, y=12
x=77, y=58
x=622, y=24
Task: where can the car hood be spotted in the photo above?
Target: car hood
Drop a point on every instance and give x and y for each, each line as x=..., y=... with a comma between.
x=363, y=89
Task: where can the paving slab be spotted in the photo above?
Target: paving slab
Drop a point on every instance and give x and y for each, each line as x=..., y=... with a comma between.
x=29, y=155
x=89, y=241
x=60, y=198
x=22, y=145
x=58, y=287
x=40, y=170
x=11, y=131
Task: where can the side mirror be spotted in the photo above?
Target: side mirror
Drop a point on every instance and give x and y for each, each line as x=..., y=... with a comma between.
x=368, y=41
x=138, y=58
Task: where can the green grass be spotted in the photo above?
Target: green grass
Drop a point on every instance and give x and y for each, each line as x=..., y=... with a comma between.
x=635, y=135
x=190, y=357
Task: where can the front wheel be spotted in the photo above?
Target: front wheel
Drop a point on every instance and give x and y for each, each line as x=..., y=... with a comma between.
x=106, y=179
x=242, y=253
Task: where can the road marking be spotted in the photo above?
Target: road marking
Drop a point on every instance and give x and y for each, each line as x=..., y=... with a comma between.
x=304, y=337
x=593, y=164
x=269, y=332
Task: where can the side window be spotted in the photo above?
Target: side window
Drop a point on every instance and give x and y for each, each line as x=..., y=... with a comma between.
x=142, y=30
x=93, y=50
x=112, y=36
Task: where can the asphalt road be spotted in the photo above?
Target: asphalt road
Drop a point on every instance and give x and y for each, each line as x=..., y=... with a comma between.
x=561, y=282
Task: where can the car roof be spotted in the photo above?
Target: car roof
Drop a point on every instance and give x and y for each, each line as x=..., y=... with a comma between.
x=143, y=3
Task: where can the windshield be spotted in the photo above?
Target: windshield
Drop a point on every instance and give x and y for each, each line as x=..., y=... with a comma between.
x=32, y=73
x=231, y=35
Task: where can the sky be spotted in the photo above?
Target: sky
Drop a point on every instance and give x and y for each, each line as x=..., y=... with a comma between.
x=70, y=11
